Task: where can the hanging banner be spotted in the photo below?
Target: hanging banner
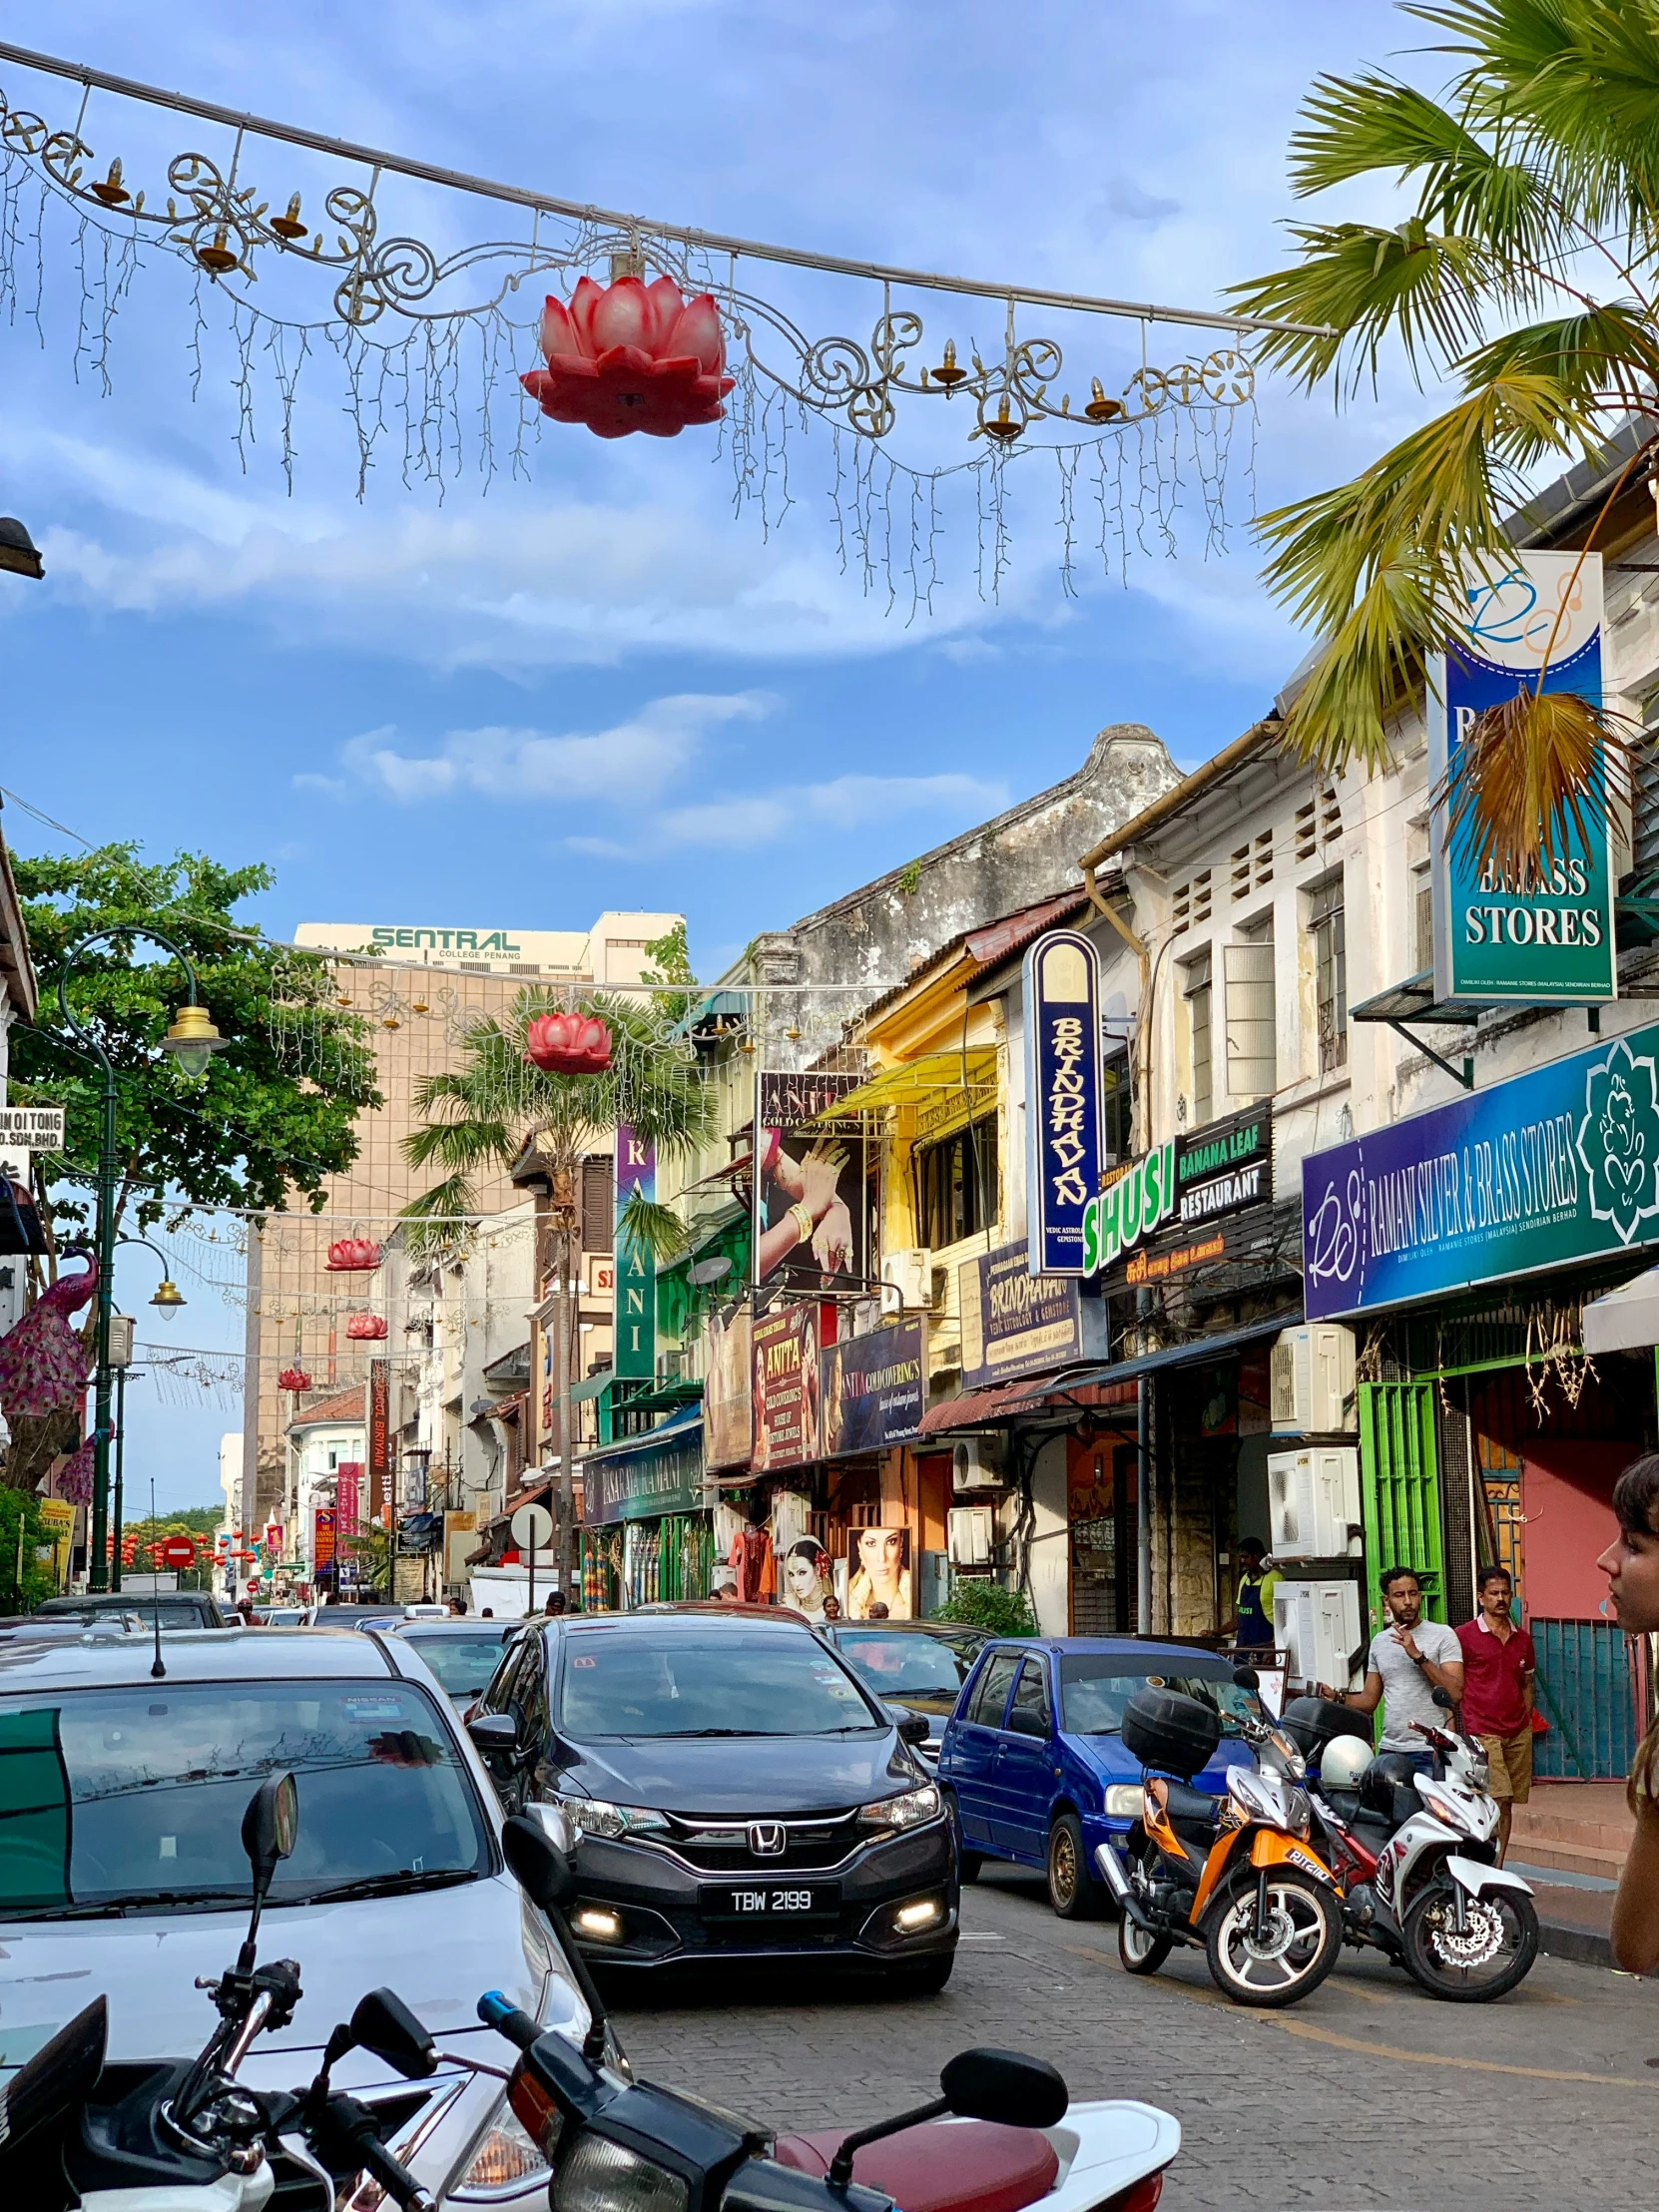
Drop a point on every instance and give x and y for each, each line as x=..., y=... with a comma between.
x=1555, y=1166
x=348, y=1486
x=727, y=1403
x=380, y=1439
x=634, y=1333
x=1547, y=940
x=875, y=1390
x=1062, y=1098
x=787, y=1388
x=322, y=1543
x=811, y=1202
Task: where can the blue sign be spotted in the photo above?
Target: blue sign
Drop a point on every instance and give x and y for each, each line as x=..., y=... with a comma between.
x=1556, y=1166
x=1062, y=1098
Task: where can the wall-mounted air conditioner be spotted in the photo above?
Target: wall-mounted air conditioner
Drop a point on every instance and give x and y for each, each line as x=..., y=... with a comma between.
x=1312, y=1382
x=976, y=1463
x=1314, y=1503
x=1318, y=1625
x=908, y=1272
x=969, y=1534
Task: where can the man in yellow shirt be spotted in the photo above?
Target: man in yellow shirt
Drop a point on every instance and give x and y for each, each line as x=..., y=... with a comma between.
x=1253, y=1614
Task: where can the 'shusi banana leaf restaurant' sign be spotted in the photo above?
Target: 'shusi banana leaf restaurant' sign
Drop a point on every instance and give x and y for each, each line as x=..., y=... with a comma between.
x=1182, y=1203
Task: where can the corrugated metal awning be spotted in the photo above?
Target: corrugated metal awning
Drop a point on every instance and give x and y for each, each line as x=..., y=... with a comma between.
x=972, y=1072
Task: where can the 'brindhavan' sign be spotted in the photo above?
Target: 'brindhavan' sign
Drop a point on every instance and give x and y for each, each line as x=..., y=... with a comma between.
x=1062, y=1097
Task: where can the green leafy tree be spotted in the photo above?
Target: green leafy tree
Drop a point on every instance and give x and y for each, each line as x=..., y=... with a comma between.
x=200, y=1522
x=986, y=1604
x=1526, y=277
x=25, y=1578
x=670, y=959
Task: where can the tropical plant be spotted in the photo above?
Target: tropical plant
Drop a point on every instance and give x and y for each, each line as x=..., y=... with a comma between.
x=1527, y=276
x=986, y=1604
x=25, y=1578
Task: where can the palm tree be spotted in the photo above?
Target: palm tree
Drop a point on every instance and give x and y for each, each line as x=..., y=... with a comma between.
x=1527, y=277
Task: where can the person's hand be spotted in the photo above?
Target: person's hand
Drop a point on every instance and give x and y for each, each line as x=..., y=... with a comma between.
x=777, y=1167
x=821, y=1174
x=1407, y=1644
x=833, y=1239
x=1324, y=1690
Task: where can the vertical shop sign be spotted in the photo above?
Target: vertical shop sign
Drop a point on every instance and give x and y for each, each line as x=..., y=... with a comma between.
x=811, y=1191
x=348, y=1487
x=1547, y=937
x=635, y=1331
x=322, y=1543
x=1062, y=1098
x=787, y=1419
x=379, y=1440
x=727, y=1405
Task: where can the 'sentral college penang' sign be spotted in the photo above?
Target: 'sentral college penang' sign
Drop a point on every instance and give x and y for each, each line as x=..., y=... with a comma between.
x=1062, y=1097
x=1555, y=1166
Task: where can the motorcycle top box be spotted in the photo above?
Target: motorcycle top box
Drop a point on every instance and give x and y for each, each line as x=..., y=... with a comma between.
x=1173, y=1734
x=1313, y=1722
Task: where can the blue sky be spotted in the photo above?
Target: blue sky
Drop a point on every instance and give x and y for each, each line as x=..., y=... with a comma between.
x=389, y=700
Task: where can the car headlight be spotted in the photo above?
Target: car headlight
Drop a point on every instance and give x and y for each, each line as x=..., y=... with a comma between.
x=1124, y=1800
x=506, y=2157
x=597, y=1817
x=907, y=1811
x=602, y=2176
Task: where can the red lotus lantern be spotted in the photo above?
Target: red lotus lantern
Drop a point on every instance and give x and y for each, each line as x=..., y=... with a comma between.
x=568, y=1044
x=630, y=356
x=354, y=1256
x=367, y=1328
x=293, y=1379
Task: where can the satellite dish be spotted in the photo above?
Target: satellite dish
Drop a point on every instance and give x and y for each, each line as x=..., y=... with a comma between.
x=708, y=1270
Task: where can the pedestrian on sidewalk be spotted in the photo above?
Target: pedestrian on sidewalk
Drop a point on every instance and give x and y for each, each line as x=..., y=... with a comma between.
x=1631, y=1566
x=1408, y=1662
x=1499, y=1665
x=1253, y=1605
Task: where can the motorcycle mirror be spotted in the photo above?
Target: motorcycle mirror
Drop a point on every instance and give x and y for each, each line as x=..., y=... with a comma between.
x=269, y=1827
x=383, y=2024
x=1004, y=2086
x=1444, y=1699
x=536, y=1863
x=1246, y=1678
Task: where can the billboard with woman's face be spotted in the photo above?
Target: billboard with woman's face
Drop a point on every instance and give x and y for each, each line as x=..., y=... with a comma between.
x=878, y=1574
x=807, y=1580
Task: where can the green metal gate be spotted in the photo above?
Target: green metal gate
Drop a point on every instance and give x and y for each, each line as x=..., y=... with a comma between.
x=1400, y=1490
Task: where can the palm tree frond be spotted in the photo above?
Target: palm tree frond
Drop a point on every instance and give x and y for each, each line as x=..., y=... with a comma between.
x=1605, y=355
x=431, y=1216
x=1530, y=770
x=651, y=1228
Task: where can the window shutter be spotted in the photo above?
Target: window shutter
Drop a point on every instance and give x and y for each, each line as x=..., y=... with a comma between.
x=598, y=1204
x=1252, y=1043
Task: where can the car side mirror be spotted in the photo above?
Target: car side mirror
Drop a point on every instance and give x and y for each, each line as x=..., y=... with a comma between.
x=383, y=2024
x=1004, y=2086
x=269, y=1827
x=912, y=1727
x=496, y=1734
x=536, y=1863
x=1023, y=1722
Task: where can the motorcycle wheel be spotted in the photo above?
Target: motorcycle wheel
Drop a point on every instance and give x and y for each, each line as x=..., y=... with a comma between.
x=1139, y=1953
x=1305, y=1933
x=1487, y=1962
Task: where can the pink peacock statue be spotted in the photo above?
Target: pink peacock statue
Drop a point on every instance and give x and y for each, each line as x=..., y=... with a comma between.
x=43, y=1362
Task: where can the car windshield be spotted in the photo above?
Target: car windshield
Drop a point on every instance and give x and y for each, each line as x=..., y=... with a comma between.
x=707, y=1683
x=175, y=1612
x=462, y=1663
x=1095, y=1688
x=132, y=1799
x=907, y=1665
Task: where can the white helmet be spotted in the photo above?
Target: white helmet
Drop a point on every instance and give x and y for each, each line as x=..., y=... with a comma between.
x=1343, y=1762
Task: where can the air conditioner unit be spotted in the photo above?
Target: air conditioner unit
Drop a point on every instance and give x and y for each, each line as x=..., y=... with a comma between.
x=1312, y=1382
x=1314, y=1503
x=909, y=1272
x=976, y=1463
x=1316, y=1624
x=968, y=1534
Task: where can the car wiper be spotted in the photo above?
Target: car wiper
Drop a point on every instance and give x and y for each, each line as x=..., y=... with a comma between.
x=114, y=1909
x=384, y=1886
x=680, y=1735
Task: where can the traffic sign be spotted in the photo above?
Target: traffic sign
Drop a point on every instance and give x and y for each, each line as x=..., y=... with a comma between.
x=532, y=1527
x=177, y=1551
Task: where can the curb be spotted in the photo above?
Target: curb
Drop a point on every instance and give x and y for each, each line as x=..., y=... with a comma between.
x=1586, y=1946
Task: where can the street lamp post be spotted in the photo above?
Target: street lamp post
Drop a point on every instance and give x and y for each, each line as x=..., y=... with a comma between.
x=193, y=1040
x=167, y=1301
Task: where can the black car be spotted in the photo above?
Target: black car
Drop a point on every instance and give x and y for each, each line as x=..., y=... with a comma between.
x=736, y=1791
x=463, y=1654
x=919, y=1666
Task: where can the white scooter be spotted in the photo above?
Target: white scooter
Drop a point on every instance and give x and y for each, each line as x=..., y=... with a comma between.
x=176, y=2137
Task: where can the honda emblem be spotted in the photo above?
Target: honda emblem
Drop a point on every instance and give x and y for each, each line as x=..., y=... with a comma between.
x=766, y=1839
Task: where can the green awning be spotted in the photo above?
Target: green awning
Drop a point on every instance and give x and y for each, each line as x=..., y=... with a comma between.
x=593, y=1386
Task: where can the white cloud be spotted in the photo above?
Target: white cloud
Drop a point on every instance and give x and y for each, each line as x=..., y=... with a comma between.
x=744, y=821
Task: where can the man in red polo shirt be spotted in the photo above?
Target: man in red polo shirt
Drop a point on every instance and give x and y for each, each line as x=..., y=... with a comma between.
x=1498, y=1664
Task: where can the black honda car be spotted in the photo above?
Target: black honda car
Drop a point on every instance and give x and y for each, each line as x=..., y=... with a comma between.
x=736, y=1792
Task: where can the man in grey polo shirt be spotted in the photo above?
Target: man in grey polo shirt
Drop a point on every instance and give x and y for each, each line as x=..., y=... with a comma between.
x=1408, y=1662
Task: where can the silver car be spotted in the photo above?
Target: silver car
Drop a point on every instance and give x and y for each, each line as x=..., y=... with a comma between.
x=122, y=1870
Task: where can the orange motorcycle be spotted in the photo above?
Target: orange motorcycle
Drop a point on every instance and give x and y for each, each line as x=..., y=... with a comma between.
x=1235, y=1875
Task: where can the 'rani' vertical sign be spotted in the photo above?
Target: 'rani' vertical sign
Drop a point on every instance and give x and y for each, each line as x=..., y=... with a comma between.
x=1062, y=1098
x=635, y=1331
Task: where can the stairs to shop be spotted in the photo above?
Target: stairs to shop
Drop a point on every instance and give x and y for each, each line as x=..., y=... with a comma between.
x=1576, y=1827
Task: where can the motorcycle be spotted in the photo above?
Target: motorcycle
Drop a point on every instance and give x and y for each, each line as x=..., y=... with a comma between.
x=1415, y=1857
x=1238, y=1878
x=188, y=2136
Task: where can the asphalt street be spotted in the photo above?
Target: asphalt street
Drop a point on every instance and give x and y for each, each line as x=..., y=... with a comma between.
x=1369, y=2094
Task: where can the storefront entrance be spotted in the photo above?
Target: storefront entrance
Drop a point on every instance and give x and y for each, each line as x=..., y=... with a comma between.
x=1101, y=1512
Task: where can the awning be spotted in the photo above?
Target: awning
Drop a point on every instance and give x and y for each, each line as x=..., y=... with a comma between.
x=1200, y=1348
x=1625, y=1319
x=1034, y=1393
x=593, y=1386
x=935, y=1073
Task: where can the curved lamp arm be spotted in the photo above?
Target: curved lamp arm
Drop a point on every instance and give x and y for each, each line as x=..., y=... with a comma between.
x=90, y=1037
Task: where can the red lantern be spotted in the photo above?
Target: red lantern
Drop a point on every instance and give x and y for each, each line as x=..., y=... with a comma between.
x=293, y=1379
x=354, y=1256
x=367, y=1328
x=630, y=356
x=568, y=1044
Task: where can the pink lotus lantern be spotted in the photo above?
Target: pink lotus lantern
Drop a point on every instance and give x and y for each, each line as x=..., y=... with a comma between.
x=568, y=1044
x=293, y=1379
x=367, y=1328
x=352, y=1256
x=630, y=356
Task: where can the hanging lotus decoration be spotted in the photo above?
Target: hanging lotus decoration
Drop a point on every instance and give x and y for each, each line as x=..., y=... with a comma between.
x=630, y=356
x=354, y=1256
x=366, y=1329
x=293, y=1379
x=568, y=1044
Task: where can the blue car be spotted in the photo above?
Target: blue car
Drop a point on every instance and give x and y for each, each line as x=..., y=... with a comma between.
x=1032, y=1763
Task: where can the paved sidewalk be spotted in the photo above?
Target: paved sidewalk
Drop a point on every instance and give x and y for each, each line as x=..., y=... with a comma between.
x=1370, y=2095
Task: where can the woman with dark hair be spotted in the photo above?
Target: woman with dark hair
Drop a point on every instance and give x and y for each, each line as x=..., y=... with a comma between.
x=1631, y=1566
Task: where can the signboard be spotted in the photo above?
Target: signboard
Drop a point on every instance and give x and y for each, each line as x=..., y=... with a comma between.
x=461, y=1535
x=379, y=1438
x=348, y=1497
x=175, y=1551
x=728, y=1402
x=811, y=1193
x=32, y=1128
x=1548, y=939
x=660, y=1474
x=323, y=1553
x=1015, y=1323
x=1178, y=1196
x=786, y=1387
x=634, y=1330
x=1062, y=1098
x=875, y=1390
x=1555, y=1166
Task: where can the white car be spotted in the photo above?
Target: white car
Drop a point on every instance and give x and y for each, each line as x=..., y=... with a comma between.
x=122, y=1871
